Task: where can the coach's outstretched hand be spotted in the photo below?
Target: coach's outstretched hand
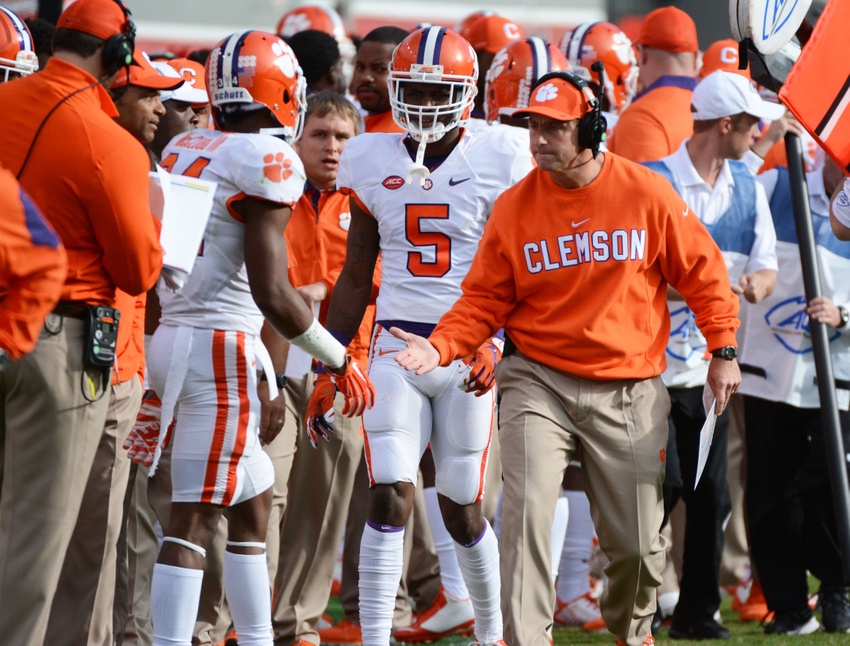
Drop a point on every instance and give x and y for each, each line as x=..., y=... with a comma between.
x=419, y=355
x=724, y=378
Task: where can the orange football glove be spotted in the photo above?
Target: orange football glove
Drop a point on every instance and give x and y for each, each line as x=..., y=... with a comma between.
x=356, y=387
x=141, y=442
x=481, y=376
x=320, y=410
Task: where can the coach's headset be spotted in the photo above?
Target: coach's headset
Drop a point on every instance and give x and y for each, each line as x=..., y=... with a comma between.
x=117, y=53
x=592, y=127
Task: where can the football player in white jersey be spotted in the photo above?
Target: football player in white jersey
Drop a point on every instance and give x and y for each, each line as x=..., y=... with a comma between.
x=201, y=359
x=602, y=41
x=425, y=215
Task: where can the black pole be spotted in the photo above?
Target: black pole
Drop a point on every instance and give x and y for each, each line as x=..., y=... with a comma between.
x=820, y=347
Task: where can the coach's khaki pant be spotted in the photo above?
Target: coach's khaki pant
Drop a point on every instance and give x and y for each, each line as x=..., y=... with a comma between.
x=622, y=427
x=83, y=606
x=50, y=432
x=320, y=488
x=736, y=554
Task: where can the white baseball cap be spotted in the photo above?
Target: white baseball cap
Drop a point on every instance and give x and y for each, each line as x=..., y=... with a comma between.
x=186, y=92
x=723, y=94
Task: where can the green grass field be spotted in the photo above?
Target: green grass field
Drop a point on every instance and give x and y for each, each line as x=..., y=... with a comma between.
x=750, y=633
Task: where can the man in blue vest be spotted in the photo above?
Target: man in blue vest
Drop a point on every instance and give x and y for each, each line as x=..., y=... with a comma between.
x=790, y=510
x=720, y=191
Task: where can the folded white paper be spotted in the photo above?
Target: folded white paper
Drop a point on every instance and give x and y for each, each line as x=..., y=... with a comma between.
x=187, y=204
x=706, y=434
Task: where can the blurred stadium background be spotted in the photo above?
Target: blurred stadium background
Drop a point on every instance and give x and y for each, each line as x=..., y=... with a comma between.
x=183, y=25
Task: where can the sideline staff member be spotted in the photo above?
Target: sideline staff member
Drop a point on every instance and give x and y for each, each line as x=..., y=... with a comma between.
x=32, y=271
x=89, y=178
x=580, y=285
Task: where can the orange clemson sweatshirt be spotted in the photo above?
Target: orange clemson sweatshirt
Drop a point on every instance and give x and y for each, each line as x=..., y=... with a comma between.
x=578, y=278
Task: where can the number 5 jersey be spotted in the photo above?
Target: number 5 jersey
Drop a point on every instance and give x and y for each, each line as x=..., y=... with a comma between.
x=430, y=233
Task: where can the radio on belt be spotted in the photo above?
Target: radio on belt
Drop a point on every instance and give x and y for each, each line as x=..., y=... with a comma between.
x=101, y=336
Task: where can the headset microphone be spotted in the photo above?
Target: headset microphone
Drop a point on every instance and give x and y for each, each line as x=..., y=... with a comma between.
x=600, y=123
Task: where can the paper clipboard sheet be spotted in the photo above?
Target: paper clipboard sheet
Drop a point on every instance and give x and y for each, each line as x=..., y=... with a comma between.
x=706, y=434
x=187, y=204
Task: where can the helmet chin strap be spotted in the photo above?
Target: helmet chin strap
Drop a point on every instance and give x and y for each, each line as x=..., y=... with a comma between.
x=417, y=168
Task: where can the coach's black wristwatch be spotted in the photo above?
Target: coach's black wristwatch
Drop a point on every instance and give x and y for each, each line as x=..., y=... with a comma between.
x=728, y=353
x=280, y=379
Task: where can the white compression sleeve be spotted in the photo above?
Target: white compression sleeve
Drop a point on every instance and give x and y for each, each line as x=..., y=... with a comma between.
x=319, y=344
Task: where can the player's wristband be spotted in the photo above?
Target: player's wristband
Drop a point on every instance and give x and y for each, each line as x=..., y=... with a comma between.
x=318, y=343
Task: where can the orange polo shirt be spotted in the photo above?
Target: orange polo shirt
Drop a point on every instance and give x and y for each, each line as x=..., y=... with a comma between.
x=317, y=243
x=88, y=176
x=578, y=278
x=381, y=123
x=32, y=269
x=657, y=121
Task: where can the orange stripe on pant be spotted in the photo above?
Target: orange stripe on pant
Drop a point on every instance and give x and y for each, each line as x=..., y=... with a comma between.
x=485, y=456
x=223, y=409
x=244, y=413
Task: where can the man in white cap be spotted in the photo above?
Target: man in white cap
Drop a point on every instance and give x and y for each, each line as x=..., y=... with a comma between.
x=719, y=190
x=180, y=113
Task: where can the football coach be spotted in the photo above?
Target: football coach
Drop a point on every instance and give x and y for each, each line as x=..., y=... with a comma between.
x=574, y=264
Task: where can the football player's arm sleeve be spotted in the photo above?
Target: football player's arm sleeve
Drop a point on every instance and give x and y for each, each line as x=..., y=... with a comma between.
x=639, y=138
x=32, y=274
x=125, y=229
x=489, y=294
x=353, y=289
x=692, y=263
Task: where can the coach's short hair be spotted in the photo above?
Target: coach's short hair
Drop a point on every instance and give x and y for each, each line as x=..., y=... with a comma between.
x=79, y=42
x=388, y=35
x=321, y=104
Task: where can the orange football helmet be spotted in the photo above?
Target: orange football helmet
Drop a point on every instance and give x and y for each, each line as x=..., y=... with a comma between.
x=515, y=70
x=17, y=53
x=316, y=17
x=320, y=18
x=256, y=67
x=722, y=55
x=488, y=31
x=434, y=55
x=602, y=41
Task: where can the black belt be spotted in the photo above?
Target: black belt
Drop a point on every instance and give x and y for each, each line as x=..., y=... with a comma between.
x=71, y=309
x=753, y=370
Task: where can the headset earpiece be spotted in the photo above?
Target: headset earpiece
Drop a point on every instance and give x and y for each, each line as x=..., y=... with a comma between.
x=592, y=127
x=118, y=50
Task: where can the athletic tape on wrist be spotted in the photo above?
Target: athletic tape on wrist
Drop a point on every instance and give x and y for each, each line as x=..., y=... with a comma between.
x=318, y=343
x=195, y=548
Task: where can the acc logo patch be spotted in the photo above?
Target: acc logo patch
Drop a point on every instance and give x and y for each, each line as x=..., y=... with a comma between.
x=842, y=199
x=790, y=325
x=393, y=182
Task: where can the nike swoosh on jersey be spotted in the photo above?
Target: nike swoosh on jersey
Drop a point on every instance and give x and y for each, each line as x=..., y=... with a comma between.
x=452, y=181
x=381, y=353
x=686, y=211
x=578, y=224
